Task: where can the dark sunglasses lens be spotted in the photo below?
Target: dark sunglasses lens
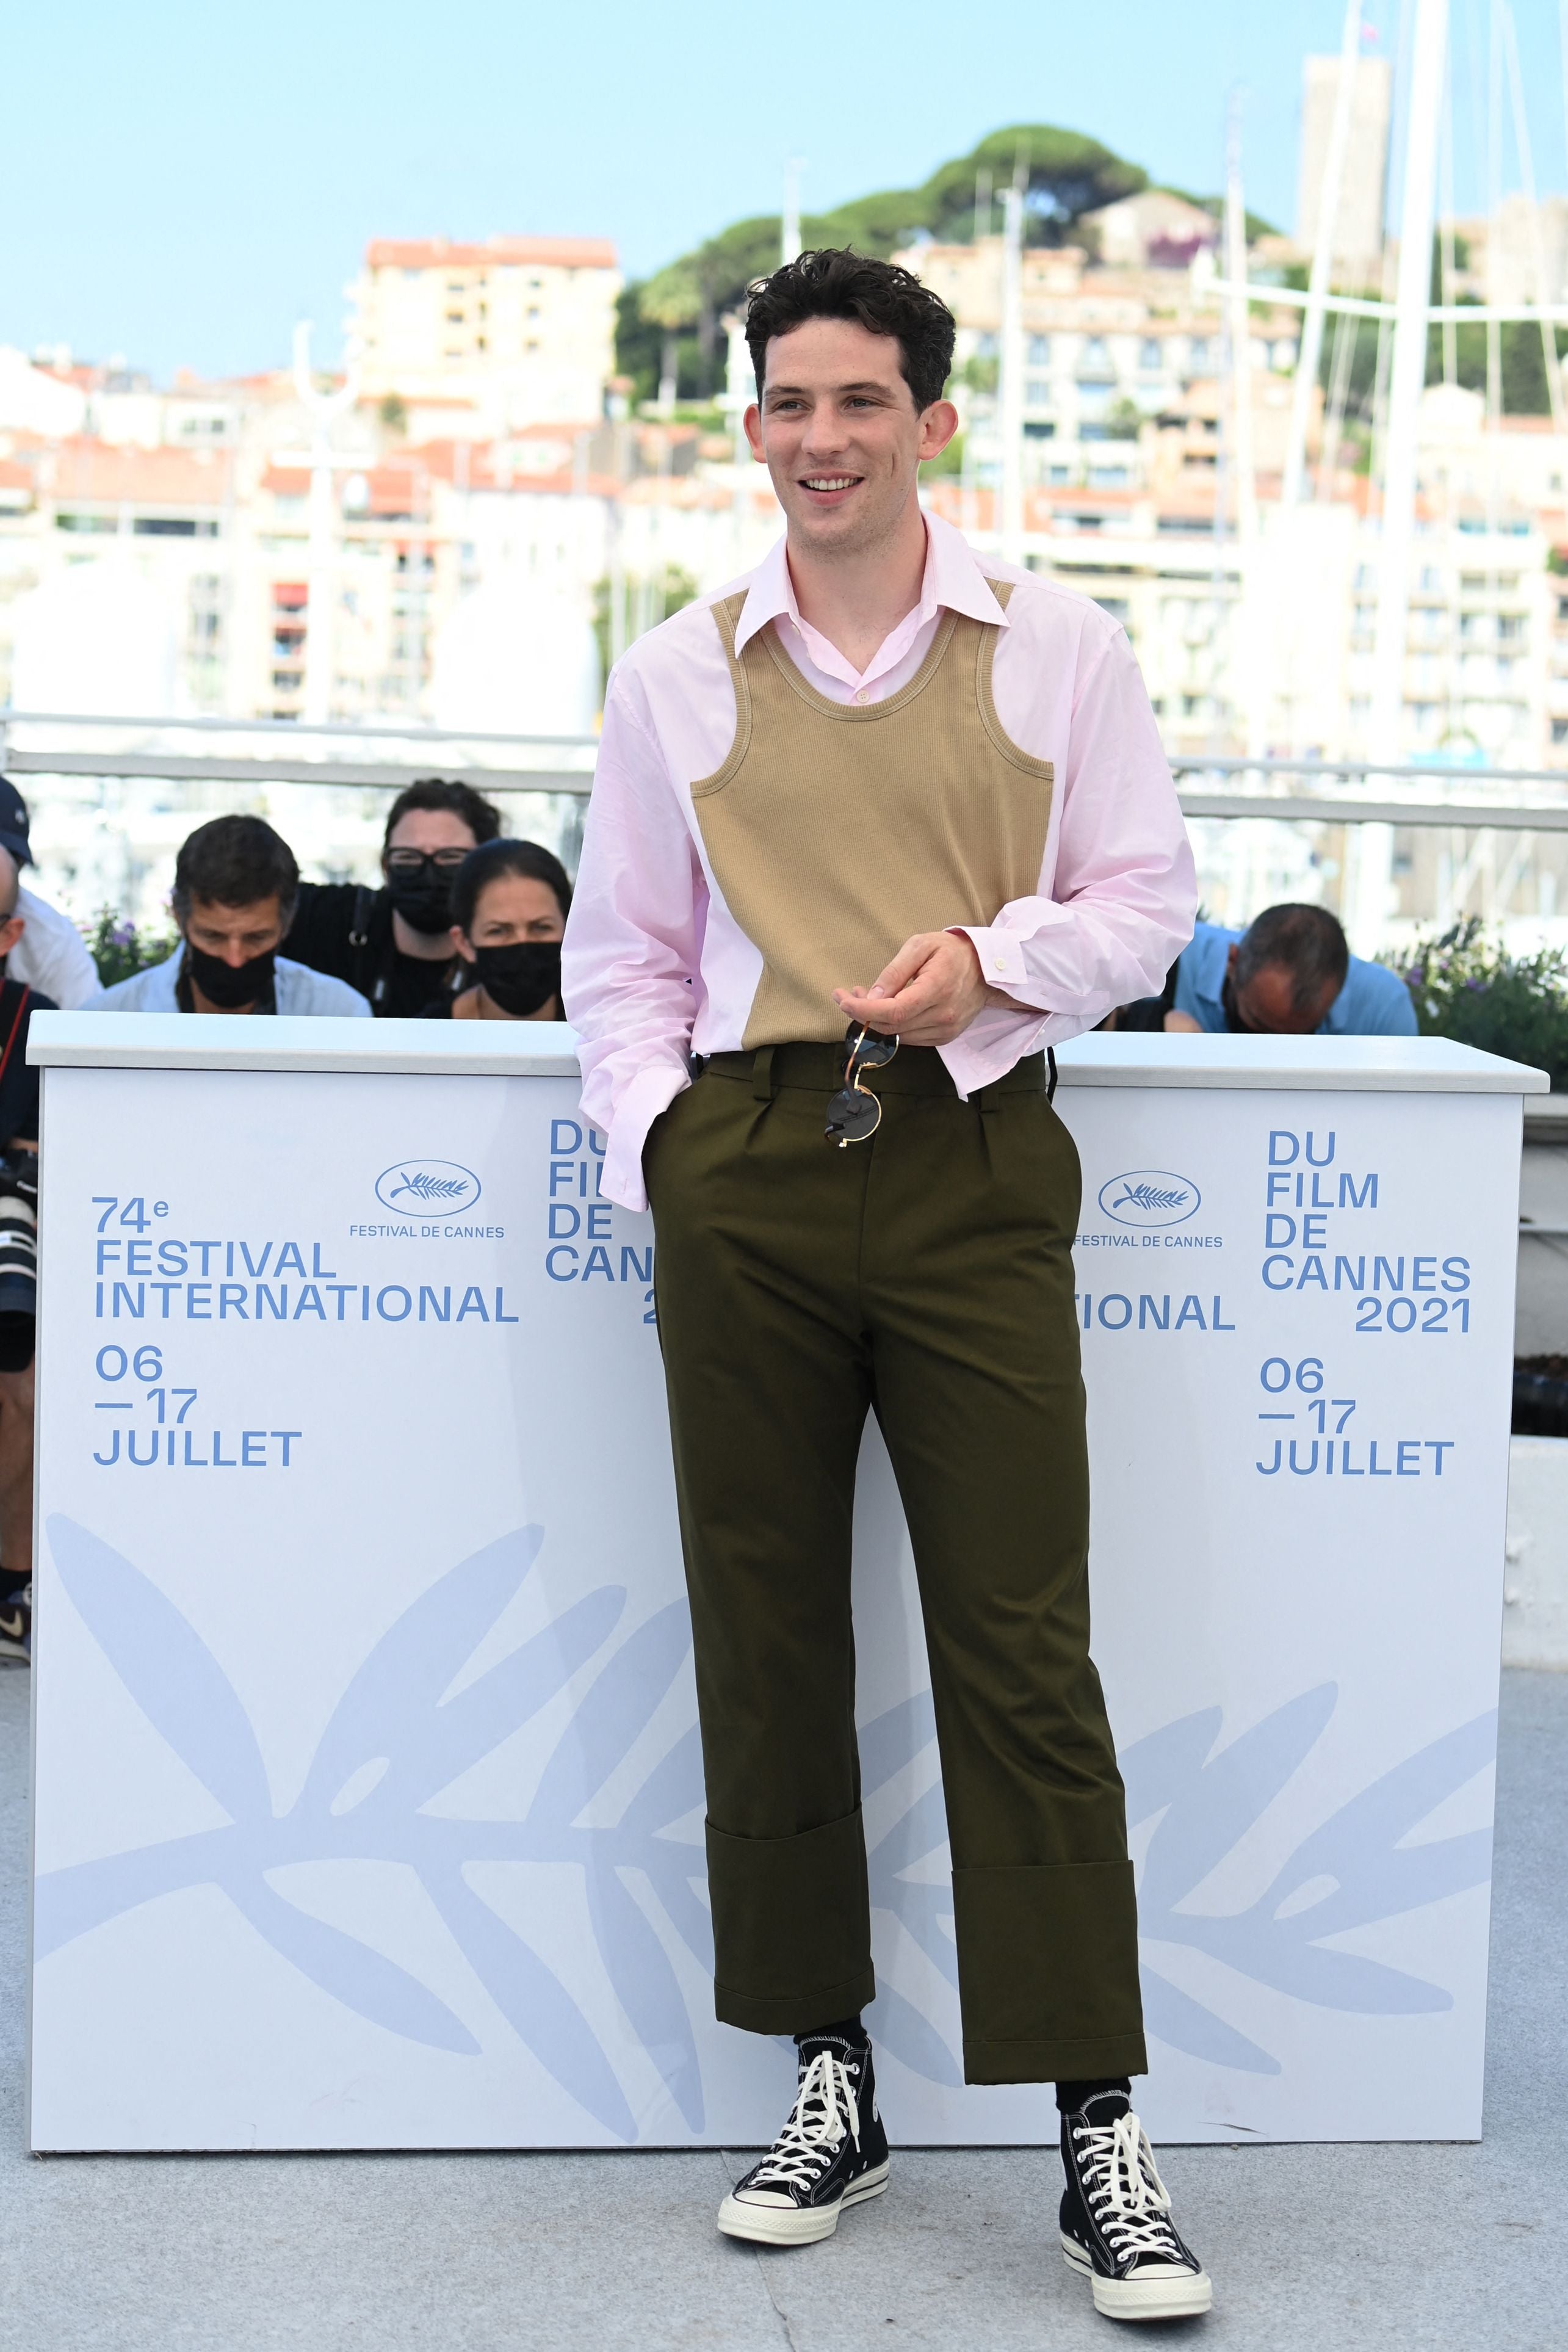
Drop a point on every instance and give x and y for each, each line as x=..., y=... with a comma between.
x=852, y=1117
x=867, y=1049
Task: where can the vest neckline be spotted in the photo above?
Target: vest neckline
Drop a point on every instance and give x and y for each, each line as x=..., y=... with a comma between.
x=860, y=713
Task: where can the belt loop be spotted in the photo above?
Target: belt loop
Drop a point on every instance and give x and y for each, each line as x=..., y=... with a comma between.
x=762, y=1074
x=986, y=1096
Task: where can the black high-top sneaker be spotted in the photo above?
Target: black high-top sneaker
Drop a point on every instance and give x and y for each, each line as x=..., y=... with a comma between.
x=1117, y=2230
x=831, y=2153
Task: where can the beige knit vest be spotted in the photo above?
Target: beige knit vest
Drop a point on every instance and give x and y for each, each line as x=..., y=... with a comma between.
x=835, y=831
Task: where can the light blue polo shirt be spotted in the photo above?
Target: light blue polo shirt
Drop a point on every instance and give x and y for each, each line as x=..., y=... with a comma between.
x=1374, y=1001
x=296, y=986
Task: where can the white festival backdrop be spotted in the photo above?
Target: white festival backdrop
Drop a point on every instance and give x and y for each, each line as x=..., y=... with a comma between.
x=368, y=1799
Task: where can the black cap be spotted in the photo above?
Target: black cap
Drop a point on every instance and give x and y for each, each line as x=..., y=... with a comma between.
x=14, y=822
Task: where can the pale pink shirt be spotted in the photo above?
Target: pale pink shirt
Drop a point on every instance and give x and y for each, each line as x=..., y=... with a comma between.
x=655, y=964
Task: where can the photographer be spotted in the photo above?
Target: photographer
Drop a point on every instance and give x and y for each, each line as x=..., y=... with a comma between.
x=509, y=905
x=394, y=944
x=18, y=1280
x=236, y=884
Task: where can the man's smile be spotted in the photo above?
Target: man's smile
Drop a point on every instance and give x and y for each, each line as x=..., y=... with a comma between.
x=828, y=489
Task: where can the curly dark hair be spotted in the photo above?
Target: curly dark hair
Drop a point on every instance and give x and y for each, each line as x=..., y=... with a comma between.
x=482, y=819
x=834, y=283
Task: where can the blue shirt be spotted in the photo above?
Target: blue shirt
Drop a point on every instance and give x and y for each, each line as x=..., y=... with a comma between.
x=1374, y=1001
x=298, y=990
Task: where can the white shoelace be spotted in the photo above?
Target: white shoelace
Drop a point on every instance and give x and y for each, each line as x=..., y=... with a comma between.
x=825, y=2105
x=1129, y=2200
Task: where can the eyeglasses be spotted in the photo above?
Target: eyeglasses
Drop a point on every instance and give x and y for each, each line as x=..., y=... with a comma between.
x=416, y=861
x=854, y=1114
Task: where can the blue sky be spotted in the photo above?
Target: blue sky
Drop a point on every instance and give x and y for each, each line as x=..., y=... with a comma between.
x=180, y=181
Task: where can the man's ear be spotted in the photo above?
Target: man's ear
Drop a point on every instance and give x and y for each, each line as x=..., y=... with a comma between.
x=752, y=422
x=1232, y=959
x=938, y=425
x=11, y=932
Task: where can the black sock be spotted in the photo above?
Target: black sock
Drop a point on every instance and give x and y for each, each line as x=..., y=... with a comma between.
x=1070, y=2097
x=14, y=1581
x=848, y=2028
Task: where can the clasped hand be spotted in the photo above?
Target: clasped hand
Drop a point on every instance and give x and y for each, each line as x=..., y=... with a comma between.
x=928, y=994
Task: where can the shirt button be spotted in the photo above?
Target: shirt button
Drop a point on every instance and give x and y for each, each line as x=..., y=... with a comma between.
x=860, y=694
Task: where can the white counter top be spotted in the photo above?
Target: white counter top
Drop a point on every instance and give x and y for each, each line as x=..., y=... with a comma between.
x=175, y=1041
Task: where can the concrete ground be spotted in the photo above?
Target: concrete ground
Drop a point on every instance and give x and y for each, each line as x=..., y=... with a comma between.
x=1322, y=2248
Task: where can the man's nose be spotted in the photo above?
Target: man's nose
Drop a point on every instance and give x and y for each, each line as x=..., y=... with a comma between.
x=235, y=953
x=824, y=428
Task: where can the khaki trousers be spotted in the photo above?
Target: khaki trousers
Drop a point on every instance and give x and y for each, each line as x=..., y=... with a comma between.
x=925, y=1275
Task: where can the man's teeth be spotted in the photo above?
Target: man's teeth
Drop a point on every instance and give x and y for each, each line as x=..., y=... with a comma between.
x=830, y=482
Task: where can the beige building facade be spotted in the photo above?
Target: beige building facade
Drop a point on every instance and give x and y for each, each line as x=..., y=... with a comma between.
x=522, y=330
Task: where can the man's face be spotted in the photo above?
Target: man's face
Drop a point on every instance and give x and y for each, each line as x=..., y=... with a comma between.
x=428, y=833
x=12, y=925
x=839, y=433
x=235, y=934
x=1267, y=1004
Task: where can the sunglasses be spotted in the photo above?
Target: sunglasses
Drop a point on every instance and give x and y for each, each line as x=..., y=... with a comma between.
x=443, y=862
x=854, y=1114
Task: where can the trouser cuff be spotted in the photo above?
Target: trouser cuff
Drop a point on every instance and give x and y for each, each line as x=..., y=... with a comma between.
x=1048, y=1971
x=801, y=2013
x=1053, y=2062
x=791, y=1926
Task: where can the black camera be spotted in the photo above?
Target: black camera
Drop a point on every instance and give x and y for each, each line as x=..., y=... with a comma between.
x=18, y=1259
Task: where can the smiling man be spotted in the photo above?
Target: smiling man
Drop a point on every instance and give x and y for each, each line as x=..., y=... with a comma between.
x=884, y=782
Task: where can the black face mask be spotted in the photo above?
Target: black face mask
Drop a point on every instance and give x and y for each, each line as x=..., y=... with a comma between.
x=228, y=985
x=520, y=979
x=422, y=894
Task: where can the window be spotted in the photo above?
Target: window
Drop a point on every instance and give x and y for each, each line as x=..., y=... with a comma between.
x=1559, y=730
x=1511, y=626
x=1095, y=361
x=1199, y=353
x=1040, y=351
x=1036, y=391
x=1150, y=352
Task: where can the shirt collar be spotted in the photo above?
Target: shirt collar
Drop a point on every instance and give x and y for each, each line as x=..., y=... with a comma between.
x=951, y=578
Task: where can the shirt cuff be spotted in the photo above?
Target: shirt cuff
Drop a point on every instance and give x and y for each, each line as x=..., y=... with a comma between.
x=645, y=1097
x=1000, y=954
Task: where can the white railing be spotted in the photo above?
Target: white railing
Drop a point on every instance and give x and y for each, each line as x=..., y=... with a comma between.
x=49, y=743
x=153, y=748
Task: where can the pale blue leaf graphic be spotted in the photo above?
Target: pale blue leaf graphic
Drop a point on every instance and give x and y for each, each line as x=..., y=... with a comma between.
x=361, y=1979
x=1231, y=1790
x=394, y=1742
x=1184, y=2023
x=535, y=2003
x=397, y=1740
x=167, y=1668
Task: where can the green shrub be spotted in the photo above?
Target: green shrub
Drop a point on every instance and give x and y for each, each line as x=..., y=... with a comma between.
x=119, y=949
x=1468, y=987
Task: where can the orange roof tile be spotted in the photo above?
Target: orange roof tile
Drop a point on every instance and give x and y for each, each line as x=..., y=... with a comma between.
x=103, y=472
